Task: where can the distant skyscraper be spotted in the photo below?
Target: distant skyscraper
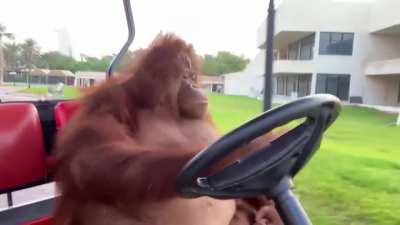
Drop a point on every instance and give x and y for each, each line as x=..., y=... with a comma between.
x=64, y=42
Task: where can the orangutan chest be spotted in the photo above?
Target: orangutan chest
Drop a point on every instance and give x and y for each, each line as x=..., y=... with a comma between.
x=199, y=211
x=173, y=135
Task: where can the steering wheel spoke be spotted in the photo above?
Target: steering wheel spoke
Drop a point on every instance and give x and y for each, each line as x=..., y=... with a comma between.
x=259, y=163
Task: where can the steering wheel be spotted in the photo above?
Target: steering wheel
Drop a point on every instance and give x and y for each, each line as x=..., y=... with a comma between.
x=270, y=170
x=261, y=172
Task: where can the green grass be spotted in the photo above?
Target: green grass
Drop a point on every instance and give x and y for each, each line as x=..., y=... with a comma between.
x=355, y=177
x=35, y=90
x=69, y=92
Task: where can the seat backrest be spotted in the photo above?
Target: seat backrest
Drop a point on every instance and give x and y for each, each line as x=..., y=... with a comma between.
x=41, y=221
x=22, y=152
x=64, y=111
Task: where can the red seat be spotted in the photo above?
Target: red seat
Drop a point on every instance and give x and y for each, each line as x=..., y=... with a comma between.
x=22, y=152
x=64, y=111
x=42, y=221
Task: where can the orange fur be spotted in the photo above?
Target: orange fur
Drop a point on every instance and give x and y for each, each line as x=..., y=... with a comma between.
x=118, y=158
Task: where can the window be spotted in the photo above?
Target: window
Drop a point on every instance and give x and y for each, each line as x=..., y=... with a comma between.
x=299, y=83
x=302, y=49
x=304, y=85
x=336, y=43
x=335, y=84
x=280, y=90
x=307, y=47
x=291, y=85
x=293, y=51
x=398, y=94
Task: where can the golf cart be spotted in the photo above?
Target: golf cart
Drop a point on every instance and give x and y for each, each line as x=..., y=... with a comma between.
x=28, y=129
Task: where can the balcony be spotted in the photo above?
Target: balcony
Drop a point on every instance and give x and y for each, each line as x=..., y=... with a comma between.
x=293, y=66
x=282, y=37
x=288, y=29
x=384, y=67
x=383, y=20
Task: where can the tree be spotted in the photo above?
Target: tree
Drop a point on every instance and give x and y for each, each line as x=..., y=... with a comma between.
x=11, y=55
x=3, y=33
x=224, y=62
x=210, y=65
x=95, y=64
x=30, y=52
x=56, y=61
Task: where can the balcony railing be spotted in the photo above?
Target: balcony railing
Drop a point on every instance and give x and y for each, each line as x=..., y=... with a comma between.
x=384, y=67
x=294, y=66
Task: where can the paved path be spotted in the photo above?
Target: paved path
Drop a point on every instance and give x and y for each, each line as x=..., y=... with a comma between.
x=10, y=93
x=29, y=195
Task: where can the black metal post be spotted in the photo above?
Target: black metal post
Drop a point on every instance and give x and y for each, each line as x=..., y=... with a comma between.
x=289, y=207
x=269, y=56
x=9, y=199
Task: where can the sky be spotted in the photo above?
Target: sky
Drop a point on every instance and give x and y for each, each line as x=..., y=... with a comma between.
x=98, y=27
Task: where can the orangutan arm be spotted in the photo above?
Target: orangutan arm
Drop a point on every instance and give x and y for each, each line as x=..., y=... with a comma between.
x=97, y=162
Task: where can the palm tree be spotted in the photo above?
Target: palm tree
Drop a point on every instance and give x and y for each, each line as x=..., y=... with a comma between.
x=30, y=52
x=3, y=33
x=11, y=53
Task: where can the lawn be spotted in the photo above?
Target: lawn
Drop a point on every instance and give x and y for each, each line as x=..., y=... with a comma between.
x=69, y=92
x=354, y=179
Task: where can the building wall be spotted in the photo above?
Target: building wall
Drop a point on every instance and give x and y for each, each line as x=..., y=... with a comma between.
x=339, y=64
x=248, y=82
x=241, y=84
x=382, y=47
x=358, y=17
x=383, y=90
x=380, y=17
x=319, y=15
x=377, y=47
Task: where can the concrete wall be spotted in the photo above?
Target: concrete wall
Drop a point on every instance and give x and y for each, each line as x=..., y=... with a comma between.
x=378, y=68
x=242, y=84
x=343, y=16
x=382, y=90
x=250, y=81
x=294, y=66
x=325, y=16
x=381, y=47
x=319, y=15
x=381, y=17
x=338, y=64
x=315, y=16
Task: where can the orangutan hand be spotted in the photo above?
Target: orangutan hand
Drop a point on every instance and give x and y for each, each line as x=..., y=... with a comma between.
x=256, y=211
x=267, y=214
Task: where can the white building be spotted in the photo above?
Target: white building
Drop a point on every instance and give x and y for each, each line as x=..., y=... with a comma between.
x=64, y=42
x=212, y=83
x=347, y=48
x=88, y=78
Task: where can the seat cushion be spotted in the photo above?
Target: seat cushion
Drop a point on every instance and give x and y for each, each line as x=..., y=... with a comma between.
x=42, y=221
x=22, y=152
x=64, y=111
